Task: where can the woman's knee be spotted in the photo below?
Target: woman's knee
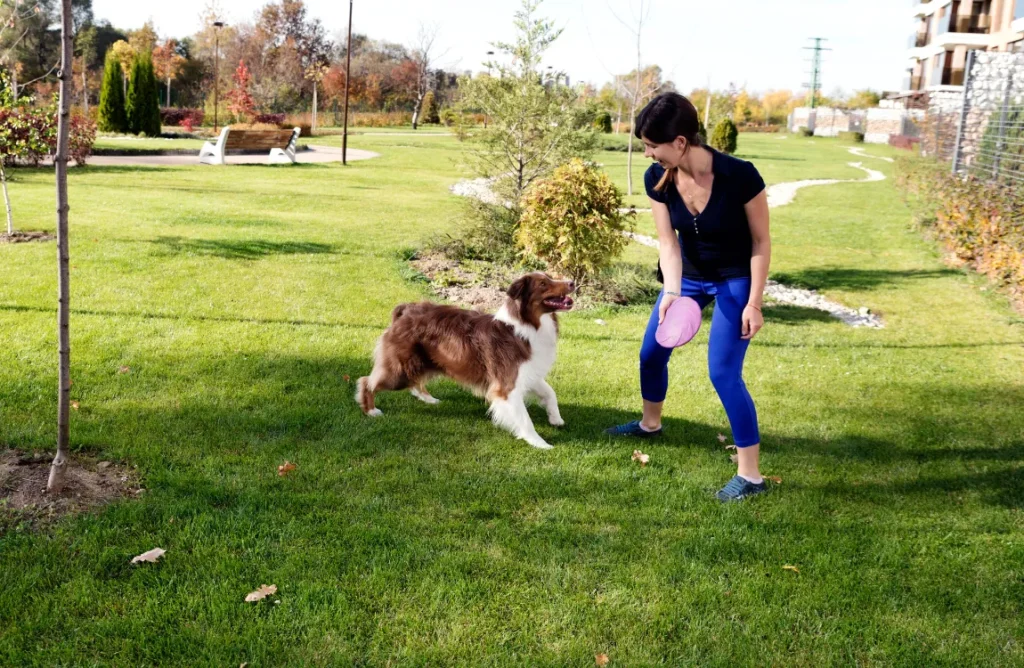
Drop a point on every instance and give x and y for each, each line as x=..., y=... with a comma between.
x=725, y=376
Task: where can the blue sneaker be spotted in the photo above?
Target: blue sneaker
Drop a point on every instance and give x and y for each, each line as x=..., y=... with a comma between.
x=740, y=488
x=632, y=429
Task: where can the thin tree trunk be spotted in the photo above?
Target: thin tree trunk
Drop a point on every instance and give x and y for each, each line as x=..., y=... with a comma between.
x=416, y=110
x=312, y=128
x=7, y=199
x=618, y=121
x=168, y=91
x=85, y=95
x=56, y=482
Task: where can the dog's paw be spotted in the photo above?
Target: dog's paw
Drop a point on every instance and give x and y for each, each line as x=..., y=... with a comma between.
x=425, y=398
x=376, y=412
x=556, y=421
x=541, y=444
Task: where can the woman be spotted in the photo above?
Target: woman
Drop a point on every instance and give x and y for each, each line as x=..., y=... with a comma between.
x=718, y=207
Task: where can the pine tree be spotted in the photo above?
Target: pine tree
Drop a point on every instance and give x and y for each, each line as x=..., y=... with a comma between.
x=143, y=104
x=112, y=115
x=724, y=136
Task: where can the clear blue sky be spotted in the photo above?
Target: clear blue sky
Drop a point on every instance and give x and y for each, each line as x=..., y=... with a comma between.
x=752, y=42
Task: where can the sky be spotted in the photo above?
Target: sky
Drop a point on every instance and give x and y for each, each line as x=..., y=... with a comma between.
x=757, y=44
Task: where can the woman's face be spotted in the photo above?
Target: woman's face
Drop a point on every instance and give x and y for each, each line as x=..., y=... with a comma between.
x=667, y=155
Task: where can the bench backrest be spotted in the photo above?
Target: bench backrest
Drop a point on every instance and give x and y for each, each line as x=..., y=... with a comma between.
x=258, y=139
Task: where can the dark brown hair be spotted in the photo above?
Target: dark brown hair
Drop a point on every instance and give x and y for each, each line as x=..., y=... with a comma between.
x=666, y=117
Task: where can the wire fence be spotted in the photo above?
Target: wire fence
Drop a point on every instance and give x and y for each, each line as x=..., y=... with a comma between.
x=989, y=138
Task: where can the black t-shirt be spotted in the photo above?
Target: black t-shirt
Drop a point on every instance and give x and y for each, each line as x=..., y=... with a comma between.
x=716, y=243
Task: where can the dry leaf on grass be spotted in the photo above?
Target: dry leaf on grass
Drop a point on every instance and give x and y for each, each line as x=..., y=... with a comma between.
x=124, y=369
x=735, y=459
x=74, y=404
x=787, y=567
x=347, y=377
x=283, y=469
x=775, y=479
x=730, y=447
x=601, y=659
x=641, y=457
x=721, y=438
x=261, y=593
x=150, y=556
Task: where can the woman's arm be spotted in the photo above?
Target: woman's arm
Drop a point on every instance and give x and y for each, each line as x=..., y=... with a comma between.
x=760, y=258
x=669, y=256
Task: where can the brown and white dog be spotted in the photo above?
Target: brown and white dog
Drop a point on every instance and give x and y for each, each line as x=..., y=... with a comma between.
x=504, y=357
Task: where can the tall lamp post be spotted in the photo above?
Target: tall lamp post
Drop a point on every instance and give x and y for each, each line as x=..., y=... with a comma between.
x=216, y=69
x=348, y=72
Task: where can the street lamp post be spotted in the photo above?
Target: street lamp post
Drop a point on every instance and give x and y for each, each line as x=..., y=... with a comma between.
x=216, y=70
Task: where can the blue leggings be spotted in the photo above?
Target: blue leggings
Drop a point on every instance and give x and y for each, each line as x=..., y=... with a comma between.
x=726, y=351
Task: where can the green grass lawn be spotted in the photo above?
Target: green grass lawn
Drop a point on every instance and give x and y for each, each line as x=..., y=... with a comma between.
x=246, y=300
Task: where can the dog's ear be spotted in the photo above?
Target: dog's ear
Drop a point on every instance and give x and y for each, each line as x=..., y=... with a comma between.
x=520, y=289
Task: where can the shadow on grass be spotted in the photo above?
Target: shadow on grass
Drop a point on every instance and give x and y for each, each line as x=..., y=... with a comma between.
x=251, y=249
x=847, y=278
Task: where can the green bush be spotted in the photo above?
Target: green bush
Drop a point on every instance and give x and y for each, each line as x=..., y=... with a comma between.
x=723, y=138
x=980, y=222
x=143, y=102
x=603, y=122
x=430, y=112
x=111, y=113
x=702, y=131
x=572, y=220
x=855, y=137
x=806, y=132
x=449, y=117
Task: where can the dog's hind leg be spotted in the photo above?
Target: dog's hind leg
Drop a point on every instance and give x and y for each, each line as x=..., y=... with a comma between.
x=386, y=375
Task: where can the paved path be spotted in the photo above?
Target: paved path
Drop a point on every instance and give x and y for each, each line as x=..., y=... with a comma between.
x=314, y=155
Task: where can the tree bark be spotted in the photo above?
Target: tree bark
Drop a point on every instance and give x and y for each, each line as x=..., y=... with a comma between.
x=312, y=128
x=55, y=484
x=7, y=199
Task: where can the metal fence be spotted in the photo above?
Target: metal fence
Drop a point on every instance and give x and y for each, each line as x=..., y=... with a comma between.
x=989, y=138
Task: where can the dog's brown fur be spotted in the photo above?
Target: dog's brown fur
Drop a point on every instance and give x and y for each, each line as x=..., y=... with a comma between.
x=475, y=349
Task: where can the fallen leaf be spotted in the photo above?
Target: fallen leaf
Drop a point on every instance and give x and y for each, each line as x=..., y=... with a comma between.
x=346, y=377
x=150, y=556
x=721, y=438
x=735, y=459
x=283, y=469
x=787, y=567
x=600, y=322
x=730, y=447
x=775, y=479
x=124, y=369
x=601, y=659
x=261, y=593
x=74, y=404
x=641, y=457
x=244, y=665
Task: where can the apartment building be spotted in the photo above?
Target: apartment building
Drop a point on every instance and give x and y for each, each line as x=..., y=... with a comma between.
x=945, y=30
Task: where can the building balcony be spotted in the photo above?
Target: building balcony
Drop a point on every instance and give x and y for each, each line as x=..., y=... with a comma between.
x=918, y=40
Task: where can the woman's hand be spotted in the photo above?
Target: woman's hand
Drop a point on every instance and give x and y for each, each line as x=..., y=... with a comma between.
x=753, y=321
x=666, y=301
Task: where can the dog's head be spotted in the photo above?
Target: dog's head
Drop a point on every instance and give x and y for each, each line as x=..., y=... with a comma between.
x=537, y=294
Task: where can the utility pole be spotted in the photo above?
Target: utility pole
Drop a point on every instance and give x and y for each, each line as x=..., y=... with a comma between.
x=815, y=85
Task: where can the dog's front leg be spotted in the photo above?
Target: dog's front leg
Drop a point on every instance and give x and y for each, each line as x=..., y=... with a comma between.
x=511, y=414
x=546, y=394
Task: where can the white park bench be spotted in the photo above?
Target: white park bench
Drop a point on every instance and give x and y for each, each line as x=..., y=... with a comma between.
x=280, y=143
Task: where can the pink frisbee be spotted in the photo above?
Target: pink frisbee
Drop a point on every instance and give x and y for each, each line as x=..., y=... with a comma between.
x=682, y=320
